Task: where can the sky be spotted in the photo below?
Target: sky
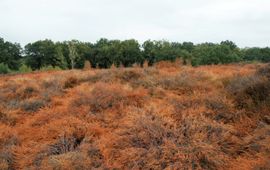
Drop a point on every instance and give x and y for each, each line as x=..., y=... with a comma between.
x=246, y=22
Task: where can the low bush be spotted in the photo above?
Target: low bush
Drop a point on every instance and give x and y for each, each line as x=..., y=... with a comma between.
x=4, y=68
x=7, y=119
x=129, y=75
x=182, y=82
x=50, y=68
x=53, y=86
x=153, y=142
x=166, y=64
x=25, y=69
x=249, y=91
x=8, y=141
x=264, y=71
x=96, y=157
x=65, y=144
x=70, y=82
x=87, y=65
x=28, y=92
x=33, y=105
x=104, y=97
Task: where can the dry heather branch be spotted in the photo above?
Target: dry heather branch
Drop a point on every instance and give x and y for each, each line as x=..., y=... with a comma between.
x=142, y=118
x=7, y=142
x=155, y=143
x=104, y=97
x=250, y=91
x=65, y=144
x=71, y=82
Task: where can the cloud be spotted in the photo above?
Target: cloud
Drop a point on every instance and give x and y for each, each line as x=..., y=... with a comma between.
x=244, y=21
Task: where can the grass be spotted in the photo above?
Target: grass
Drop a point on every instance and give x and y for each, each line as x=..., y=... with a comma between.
x=167, y=116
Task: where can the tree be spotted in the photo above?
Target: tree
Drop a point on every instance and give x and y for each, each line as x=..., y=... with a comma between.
x=73, y=55
x=44, y=53
x=257, y=54
x=209, y=53
x=149, y=51
x=103, y=53
x=230, y=44
x=155, y=51
x=130, y=53
x=10, y=54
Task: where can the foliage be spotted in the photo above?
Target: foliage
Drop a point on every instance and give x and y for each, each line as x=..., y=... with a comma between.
x=50, y=68
x=4, y=68
x=209, y=53
x=257, y=54
x=104, y=53
x=25, y=69
x=42, y=54
x=10, y=54
x=73, y=55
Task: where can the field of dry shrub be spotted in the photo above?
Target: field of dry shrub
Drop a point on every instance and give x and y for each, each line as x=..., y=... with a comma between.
x=161, y=117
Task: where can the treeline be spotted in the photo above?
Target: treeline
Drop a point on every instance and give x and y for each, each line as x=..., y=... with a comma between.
x=45, y=54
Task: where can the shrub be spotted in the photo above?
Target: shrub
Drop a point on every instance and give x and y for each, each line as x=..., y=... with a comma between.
x=6, y=160
x=4, y=68
x=65, y=144
x=70, y=160
x=7, y=142
x=50, y=68
x=145, y=64
x=70, y=82
x=87, y=65
x=113, y=66
x=129, y=75
x=53, y=86
x=166, y=64
x=96, y=157
x=153, y=142
x=264, y=71
x=249, y=91
x=182, y=82
x=33, y=105
x=7, y=119
x=28, y=92
x=104, y=97
x=25, y=69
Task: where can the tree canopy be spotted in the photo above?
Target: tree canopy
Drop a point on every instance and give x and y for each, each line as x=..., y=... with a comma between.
x=104, y=53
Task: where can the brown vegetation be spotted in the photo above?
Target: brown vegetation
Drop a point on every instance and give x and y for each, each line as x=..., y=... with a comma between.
x=164, y=117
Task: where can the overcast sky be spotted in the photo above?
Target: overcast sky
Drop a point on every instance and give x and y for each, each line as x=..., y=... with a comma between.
x=246, y=22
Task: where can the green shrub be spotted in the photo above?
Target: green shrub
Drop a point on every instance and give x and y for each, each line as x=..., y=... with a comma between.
x=25, y=69
x=4, y=68
x=50, y=68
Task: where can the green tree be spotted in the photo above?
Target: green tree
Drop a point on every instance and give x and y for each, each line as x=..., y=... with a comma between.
x=149, y=52
x=43, y=53
x=209, y=53
x=257, y=54
x=73, y=55
x=131, y=53
x=10, y=54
